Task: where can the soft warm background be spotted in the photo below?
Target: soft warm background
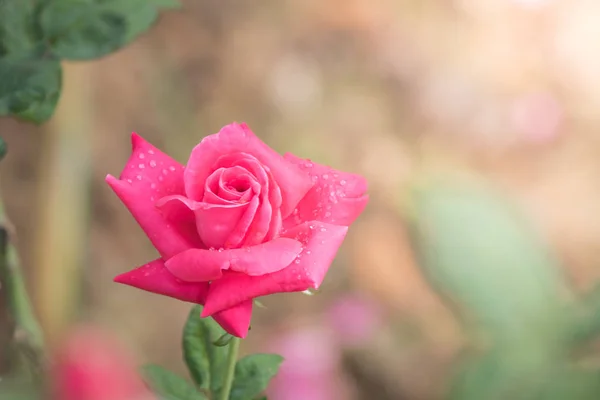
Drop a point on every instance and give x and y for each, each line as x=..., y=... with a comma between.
x=509, y=89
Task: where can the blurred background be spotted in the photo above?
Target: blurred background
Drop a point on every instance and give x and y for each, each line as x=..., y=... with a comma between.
x=507, y=90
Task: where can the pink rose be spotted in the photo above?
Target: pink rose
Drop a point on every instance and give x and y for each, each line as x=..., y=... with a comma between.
x=238, y=222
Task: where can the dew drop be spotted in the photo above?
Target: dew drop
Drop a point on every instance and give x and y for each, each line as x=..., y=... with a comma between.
x=138, y=177
x=172, y=168
x=165, y=172
x=299, y=277
x=211, y=248
x=307, y=252
x=129, y=180
x=297, y=261
x=325, y=176
x=150, y=151
x=153, y=186
x=327, y=215
x=220, y=249
x=141, y=166
x=323, y=229
x=343, y=182
x=142, y=156
x=309, y=164
x=152, y=163
x=314, y=178
x=311, y=226
x=160, y=178
x=322, y=242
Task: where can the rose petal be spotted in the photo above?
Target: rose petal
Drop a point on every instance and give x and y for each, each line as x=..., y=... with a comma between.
x=320, y=244
x=155, y=277
x=214, y=222
x=236, y=138
x=141, y=183
x=337, y=197
x=194, y=265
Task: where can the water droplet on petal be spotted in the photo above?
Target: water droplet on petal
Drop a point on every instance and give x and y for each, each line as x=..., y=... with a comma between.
x=150, y=151
x=343, y=182
x=308, y=164
x=211, y=248
x=165, y=172
x=141, y=166
x=142, y=155
x=307, y=252
x=153, y=186
x=297, y=261
x=138, y=177
x=323, y=229
x=172, y=168
x=129, y=180
x=160, y=178
x=325, y=176
x=152, y=163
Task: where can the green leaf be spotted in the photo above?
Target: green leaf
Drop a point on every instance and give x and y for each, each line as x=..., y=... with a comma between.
x=82, y=29
x=223, y=340
x=482, y=255
x=168, y=385
x=29, y=88
x=17, y=26
x=253, y=374
x=87, y=29
x=205, y=361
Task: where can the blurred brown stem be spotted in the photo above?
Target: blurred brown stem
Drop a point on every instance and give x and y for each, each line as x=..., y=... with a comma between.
x=62, y=228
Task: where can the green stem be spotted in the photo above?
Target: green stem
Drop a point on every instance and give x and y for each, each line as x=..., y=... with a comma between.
x=28, y=336
x=234, y=347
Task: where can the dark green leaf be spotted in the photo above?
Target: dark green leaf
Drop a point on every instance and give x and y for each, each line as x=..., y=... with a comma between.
x=17, y=26
x=168, y=385
x=3, y=148
x=482, y=255
x=253, y=374
x=29, y=88
x=205, y=361
x=223, y=340
x=82, y=29
x=87, y=29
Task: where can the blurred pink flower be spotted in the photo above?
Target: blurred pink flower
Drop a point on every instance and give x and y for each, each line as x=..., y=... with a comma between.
x=537, y=117
x=91, y=365
x=354, y=319
x=310, y=369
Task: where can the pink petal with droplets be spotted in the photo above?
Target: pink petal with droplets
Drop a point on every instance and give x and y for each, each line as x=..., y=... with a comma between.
x=337, y=197
x=195, y=265
x=155, y=277
x=235, y=138
x=320, y=243
x=141, y=183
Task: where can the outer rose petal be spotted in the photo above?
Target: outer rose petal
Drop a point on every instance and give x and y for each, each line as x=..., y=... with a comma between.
x=148, y=175
x=195, y=265
x=154, y=277
x=320, y=244
x=337, y=197
x=236, y=138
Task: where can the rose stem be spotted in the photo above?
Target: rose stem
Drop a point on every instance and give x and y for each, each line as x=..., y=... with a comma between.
x=234, y=346
x=27, y=334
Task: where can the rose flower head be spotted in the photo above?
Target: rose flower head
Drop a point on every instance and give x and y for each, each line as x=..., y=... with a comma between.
x=237, y=222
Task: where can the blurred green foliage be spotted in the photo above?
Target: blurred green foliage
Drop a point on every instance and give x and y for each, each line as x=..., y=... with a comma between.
x=479, y=253
x=35, y=35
